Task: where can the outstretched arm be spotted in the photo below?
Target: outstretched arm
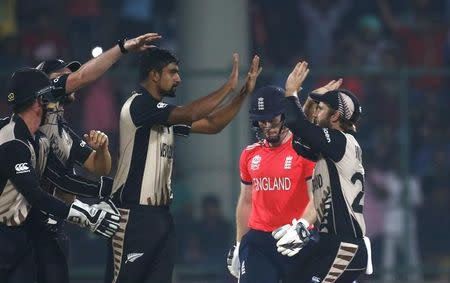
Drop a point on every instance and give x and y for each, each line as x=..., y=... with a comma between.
x=329, y=142
x=96, y=67
x=202, y=107
x=218, y=119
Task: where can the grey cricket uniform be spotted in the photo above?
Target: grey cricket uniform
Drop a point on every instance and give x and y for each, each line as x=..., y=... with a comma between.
x=143, y=249
x=23, y=159
x=338, y=189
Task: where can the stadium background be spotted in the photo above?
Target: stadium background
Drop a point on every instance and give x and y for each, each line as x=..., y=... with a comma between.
x=400, y=75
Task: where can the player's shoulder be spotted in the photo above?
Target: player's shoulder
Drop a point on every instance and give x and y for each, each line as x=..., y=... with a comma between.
x=250, y=150
x=253, y=146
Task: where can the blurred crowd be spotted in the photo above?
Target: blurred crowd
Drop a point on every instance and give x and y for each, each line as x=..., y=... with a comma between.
x=388, y=52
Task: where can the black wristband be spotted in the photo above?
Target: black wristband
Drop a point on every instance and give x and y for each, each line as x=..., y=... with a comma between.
x=121, y=43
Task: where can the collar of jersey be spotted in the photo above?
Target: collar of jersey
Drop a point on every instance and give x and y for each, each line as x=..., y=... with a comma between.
x=287, y=141
x=21, y=129
x=146, y=93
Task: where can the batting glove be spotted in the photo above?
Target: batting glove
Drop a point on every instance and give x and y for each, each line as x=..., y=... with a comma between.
x=99, y=221
x=292, y=238
x=107, y=205
x=233, y=263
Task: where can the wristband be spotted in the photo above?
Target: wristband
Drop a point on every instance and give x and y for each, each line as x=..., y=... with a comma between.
x=121, y=44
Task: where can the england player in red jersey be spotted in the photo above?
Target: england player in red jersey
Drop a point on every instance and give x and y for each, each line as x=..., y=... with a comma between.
x=275, y=188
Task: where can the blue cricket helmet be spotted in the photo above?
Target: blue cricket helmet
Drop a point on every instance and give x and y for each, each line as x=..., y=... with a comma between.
x=266, y=103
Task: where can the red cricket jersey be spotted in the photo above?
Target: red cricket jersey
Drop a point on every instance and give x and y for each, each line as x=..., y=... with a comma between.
x=278, y=177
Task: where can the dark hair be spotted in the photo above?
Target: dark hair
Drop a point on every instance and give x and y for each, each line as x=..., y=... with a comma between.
x=155, y=59
x=347, y=125
x=23, y=106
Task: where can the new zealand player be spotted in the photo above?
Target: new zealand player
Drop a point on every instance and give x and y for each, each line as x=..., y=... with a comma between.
x=275, y=188
x=338, y=187
x=51, y=241
x=23, y=155
x=143, y=250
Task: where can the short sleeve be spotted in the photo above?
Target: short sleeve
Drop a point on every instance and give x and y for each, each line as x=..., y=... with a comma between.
x=80, y=150
x=148, y=111
x=308, y=169
x=243, y=168
x=60, y=85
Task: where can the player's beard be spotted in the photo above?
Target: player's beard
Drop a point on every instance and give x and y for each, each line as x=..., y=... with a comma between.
x=170, y=93
x=275, y=140
x=324, y=123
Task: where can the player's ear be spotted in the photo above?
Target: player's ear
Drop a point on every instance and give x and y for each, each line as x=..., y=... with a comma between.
x=335, y=117
x=154, y=76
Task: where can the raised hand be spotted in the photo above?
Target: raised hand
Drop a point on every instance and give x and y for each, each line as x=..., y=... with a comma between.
x=234, y=75
x=332, y=85
x=252, y=76
x=141, y=43
x=97, y=140
x=296, y=78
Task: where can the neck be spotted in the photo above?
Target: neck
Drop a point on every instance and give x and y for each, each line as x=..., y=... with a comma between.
x=284, y=136
x=152, y=89
x=30, y=120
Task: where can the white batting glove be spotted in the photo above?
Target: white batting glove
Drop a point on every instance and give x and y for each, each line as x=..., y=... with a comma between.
x=233, y=264
x=292, y=238
x=99, y=221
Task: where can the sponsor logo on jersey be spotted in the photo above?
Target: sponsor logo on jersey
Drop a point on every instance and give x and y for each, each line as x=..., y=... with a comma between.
x=22, y=168
x=256, y=160
x=166, y=150
x=133, y=256
x=288, y=162
x=272, y=184
x=327, y=134
x=161, y=105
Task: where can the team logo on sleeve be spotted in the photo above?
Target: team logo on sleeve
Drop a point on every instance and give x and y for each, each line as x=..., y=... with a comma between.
x=161, y=105
x=256, y=160
x=22, y=168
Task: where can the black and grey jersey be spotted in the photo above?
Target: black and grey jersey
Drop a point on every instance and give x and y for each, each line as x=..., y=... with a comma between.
x=146, y=151
x=23, y=160
x=65, y=143
x=338, y=179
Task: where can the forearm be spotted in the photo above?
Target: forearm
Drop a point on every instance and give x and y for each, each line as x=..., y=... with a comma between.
x=309, y=107
x=220, y=118
x=295, y=117
x=102, y=162
x=243, y=211
x=40, y=199
x=92, y=70
x=310, y=213
x=202, y=107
